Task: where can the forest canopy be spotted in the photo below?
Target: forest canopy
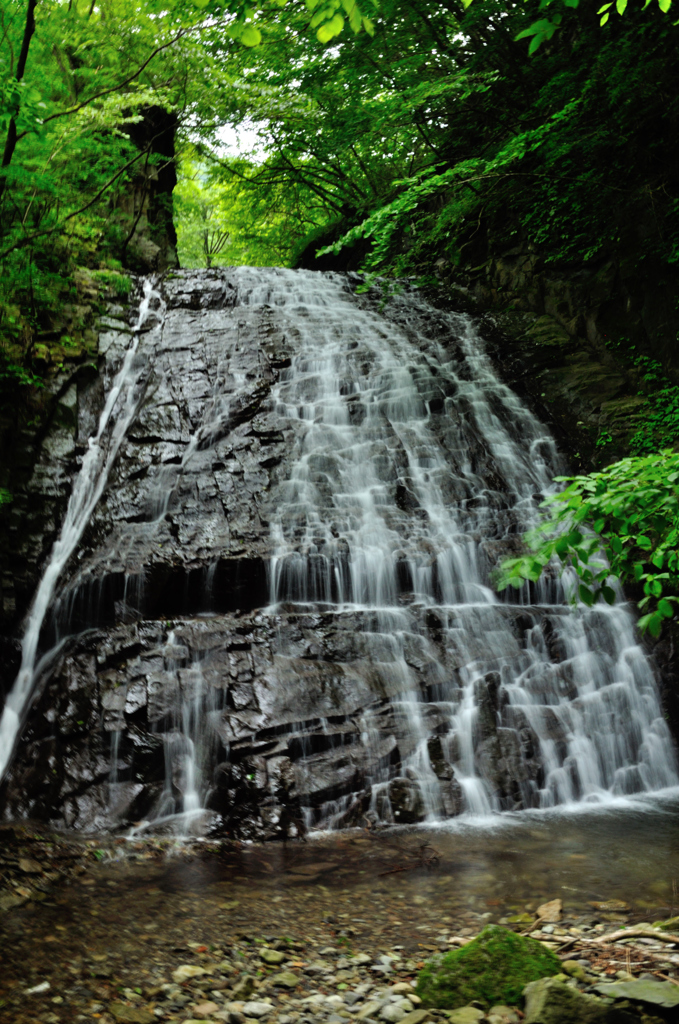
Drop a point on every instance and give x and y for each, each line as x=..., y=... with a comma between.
x=387, y=135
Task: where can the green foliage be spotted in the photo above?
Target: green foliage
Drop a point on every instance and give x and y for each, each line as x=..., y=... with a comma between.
x=619, y=524
x=541, y=31
x=494, y=969
x=119, y=284
x=569, y=153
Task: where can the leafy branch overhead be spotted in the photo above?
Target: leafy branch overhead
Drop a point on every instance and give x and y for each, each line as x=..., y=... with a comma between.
x=621, y=524
x=541, y=31
x=328, y=18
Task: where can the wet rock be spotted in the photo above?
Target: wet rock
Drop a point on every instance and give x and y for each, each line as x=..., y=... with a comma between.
x=406, y=801
x=652, y=992
x=549, y=1001
x=294, y=713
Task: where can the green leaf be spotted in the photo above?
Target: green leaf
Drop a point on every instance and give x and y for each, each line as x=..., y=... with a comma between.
x=665, y=608
x=608, y=594
x=655, y=624
x=664, y=5
x=586, y=596
x=615, y=543
x=202, y=4
x=644, y=543
x=331, y=29
x=620, y=6
x=250, y=36
x=544, y=29
x=604, y=19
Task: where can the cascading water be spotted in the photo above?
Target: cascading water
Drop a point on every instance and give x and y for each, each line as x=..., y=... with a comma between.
x=122, y=404
x=381, y=511
x=377, y=467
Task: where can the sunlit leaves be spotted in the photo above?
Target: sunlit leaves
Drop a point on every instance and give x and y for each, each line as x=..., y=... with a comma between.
x=328, y=19
x=542, y=30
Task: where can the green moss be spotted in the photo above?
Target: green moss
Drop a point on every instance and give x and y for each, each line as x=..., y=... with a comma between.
x=493, y=969
x=120, y=284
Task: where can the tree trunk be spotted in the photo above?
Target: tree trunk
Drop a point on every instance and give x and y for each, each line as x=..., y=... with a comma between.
x=11, y=140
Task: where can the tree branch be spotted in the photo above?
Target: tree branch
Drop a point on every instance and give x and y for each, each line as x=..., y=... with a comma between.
x=113, y=88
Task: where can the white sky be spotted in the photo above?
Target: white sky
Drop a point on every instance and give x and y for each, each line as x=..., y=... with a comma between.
x=242, y=141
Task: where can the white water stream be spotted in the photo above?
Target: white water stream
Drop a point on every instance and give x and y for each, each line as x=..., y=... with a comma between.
x=362, y=390
x=121, y=406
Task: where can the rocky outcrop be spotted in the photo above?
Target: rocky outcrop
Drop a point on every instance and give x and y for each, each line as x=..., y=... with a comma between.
x=187, y=677
x=566, y=337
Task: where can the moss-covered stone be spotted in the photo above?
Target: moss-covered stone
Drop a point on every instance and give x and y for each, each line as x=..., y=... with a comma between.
x=493, y=968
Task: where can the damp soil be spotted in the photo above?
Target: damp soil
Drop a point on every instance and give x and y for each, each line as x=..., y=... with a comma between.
x=111, y=930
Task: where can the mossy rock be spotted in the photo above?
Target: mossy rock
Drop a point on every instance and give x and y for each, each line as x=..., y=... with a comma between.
x=494, y=968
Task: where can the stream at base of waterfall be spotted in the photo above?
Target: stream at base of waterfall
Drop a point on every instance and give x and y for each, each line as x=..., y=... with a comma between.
x=270, y=606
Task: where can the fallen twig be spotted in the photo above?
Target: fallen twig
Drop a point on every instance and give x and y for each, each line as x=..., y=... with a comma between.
x=673, y=981
x=643, y=933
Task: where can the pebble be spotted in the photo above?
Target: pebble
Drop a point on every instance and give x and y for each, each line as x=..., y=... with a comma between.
x=286, y=979
x=392, y=1012
x=502, y=1015
x=417, y=1017
x=37, y=989
x=186, y=971
x=369, y=1010
x=130, y=1014
x=466, y=1015
x=206, y=1009
x=272, y=956
x=257, y=1009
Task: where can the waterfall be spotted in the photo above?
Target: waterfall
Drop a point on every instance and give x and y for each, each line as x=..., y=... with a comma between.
x=121, y=406
x=409, y=468
x=295, y=551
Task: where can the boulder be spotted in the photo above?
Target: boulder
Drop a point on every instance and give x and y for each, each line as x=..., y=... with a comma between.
x=550, y=1001
x=492, y=969
x=655, y=993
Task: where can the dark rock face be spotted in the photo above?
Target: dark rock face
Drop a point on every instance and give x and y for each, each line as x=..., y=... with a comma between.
x=279, y=612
